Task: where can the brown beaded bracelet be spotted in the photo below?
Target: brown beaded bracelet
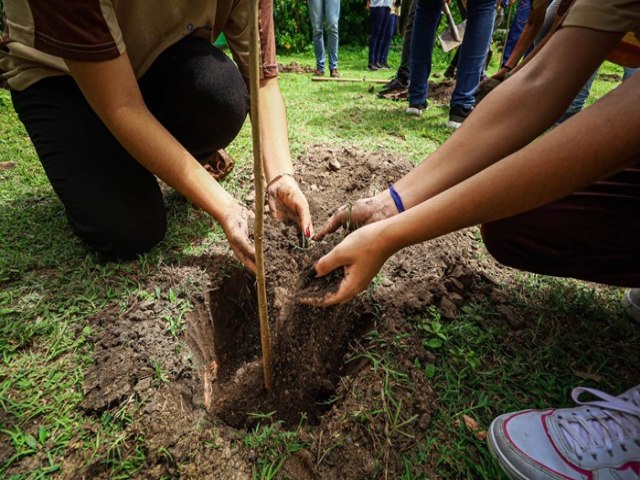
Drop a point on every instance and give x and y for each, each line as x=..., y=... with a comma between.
x=278, y=177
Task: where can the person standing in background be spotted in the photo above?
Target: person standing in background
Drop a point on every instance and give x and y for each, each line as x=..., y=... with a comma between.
x=390, y=31
x=321, y=11
x=380, y=13
x=473, y=52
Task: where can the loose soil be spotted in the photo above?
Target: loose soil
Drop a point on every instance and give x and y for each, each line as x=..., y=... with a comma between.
x=294, y=67
x=194, y=394
x=439, y=92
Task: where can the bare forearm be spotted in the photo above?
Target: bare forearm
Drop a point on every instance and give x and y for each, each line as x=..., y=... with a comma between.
x=155, y=148
x=274, y=129
x=124, y=113
x=528, y=35
x=563, y=161
x=513, y=115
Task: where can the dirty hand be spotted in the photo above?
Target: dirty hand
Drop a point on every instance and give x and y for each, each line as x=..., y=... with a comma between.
x=236, y=227
x=362, y=255
x=501, y=74
x=361, y=212
x=287, y=202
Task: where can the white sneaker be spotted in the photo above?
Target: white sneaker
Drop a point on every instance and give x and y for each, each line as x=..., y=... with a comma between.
x=416, y=109
x=598, y=440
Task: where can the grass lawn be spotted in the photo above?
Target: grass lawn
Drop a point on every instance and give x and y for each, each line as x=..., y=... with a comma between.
x=50, y=284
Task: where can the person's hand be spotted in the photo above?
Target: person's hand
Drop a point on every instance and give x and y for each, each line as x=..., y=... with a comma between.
x=287, y=202
x=236, y=227
x=362, y=255
x=361, y=212
x=501, y=74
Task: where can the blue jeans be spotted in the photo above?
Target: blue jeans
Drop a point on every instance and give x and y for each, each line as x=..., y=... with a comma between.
x=325, y=11
x=578, y=103
x=472, y=53
x=515, y=29
x=425, y=24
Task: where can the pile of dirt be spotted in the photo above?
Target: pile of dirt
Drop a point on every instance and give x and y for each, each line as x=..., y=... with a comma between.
x=294, y=67
x=195, y=400
x=485, y=88
x=439, y=92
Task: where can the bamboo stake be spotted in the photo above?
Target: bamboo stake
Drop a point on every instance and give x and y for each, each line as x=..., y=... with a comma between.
x=254, y=90
x=342, y=79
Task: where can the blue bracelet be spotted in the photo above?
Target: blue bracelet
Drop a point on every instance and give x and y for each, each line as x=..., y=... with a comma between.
x=396, y=198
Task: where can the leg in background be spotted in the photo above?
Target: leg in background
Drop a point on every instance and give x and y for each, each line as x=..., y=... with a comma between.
x=403, y=69
x=425, y=24
x=377, y=22
x=389, y=31
x=516, y=27
x=332, y=15
x=477, y=37
x=380, y=40
x=316, y=17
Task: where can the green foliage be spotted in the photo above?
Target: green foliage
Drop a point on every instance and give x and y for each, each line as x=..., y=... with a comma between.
x=293, y=28
x=355, y=26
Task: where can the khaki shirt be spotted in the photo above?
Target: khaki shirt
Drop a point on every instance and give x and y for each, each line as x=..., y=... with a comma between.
x=39, y=34
x=605, y=15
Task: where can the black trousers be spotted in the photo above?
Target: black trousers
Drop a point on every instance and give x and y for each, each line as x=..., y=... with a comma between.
x=112, y=202
x=592, y=234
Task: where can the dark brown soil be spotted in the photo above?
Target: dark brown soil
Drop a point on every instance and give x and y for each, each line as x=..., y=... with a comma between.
x=486, y=87
x=193, y=394
x=294, y=67
x=610, y=77
x=440, y=92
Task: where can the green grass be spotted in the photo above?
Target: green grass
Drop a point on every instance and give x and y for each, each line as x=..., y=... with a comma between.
x=50, y=283
x=272, y=446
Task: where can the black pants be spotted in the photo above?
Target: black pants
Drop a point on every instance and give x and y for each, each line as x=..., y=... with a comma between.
x=592, y=234
x=112, y=202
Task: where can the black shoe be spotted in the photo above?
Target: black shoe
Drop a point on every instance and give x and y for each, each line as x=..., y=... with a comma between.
x=385, y=65
x=373, y=67
x=394, y=84
x=457, y=115
x=450, y=72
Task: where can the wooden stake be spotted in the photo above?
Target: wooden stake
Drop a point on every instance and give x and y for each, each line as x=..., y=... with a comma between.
x=343, y=79
x=254, y=90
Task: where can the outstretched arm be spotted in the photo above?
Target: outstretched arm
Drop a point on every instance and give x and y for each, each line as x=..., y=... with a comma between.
x=593, y=144
x=514, y=114
x=528, y=35
x=286, y=200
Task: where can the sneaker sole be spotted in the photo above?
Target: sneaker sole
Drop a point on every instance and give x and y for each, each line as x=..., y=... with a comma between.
x=453, y=124
x=414, y=112
x=508, y=468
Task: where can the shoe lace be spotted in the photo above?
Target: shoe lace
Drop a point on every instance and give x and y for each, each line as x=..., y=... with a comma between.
x=605, y=421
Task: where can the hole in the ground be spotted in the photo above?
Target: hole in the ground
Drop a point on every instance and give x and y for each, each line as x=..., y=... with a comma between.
x=309, y=347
